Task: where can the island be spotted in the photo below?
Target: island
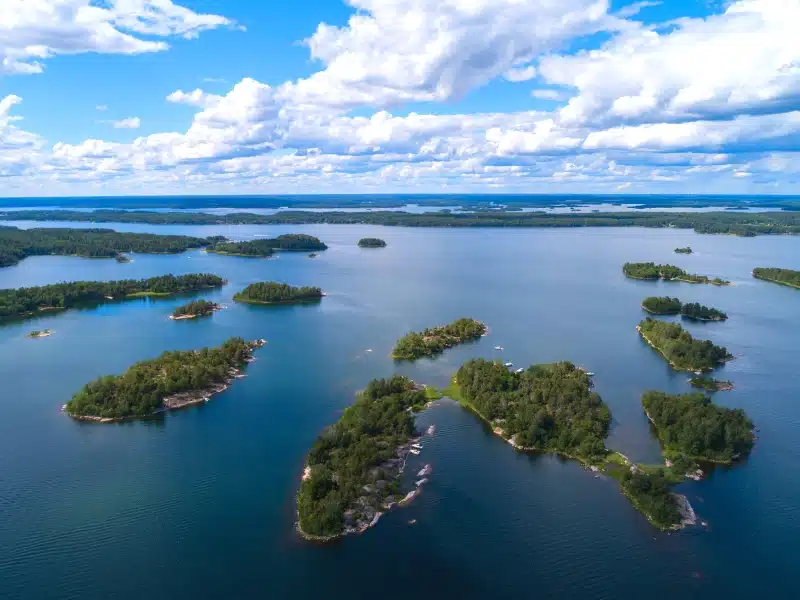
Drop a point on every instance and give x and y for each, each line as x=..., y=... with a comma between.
x=691, y=425
x=271, y=292
x=17, y=244
x=194, y=309
x=20, y=303
x=122, y=258
x=686, y=250
x=371, y=243
x=680, y=349
x=651, y=272
x=662, y=305
x=786, y=277
x=293, y=242
x=435, y=340
x=171, y=381
x=353, y=470
x=710, y=384
x=40, y=333
x=698, y=312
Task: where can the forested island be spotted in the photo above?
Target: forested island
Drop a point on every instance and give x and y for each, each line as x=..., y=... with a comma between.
x=710, y=384
x=173, y=380
x=699, y=312
x=651, y=272
x=194, y=309
x=649, y=492
x=26, y=302
x=271, y=292
x=680, y=349
x=371, y=243
x=352, y=472
x=36, y=333
x=437, y=339
x=16, y=244
x=293, y=242
x=693, y=426
x=662, y=305
x=782, y=276
x=686, y=250
x=743, y=224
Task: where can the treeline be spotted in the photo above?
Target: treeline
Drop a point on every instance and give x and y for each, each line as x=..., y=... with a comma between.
x=692, y=425
x=196, y=308
x=297, y=242
x=371, y=243
x=682, y=351
x=665, y=305
x=351, y=454
x=547, y=407
x=744, y=224
x=141, y=390
x=271, y=292
x=652, y=271
x=781, y=276
x=436, y=339
x=16, y=244
x=23, y=302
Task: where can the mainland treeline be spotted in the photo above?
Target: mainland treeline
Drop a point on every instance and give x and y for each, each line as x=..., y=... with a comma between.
x=546, y=407
x=355, y=453
x=195, y=308
x=683, y=352
x=744, y=224
x=23, y=302
x=781, y=276
x=271, y=292
x=371, y=243
x=16, y=244
x=296, y=242
x=693, y=426
x=437, y=339
x=142, y=389
x=652, y=271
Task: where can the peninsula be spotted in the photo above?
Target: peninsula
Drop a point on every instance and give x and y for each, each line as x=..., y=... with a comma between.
x=710, y=384
x=353, y=469
x=686, y=250
x=786, y=277
x=194, y=309
x=271, y=292
x=173, y=380
x=261, y=248
x=680, y=349
x=17, y=244
x=371, y=243
x=437, y=339
x=691, y=425
x=26, y=302
x=651, y=272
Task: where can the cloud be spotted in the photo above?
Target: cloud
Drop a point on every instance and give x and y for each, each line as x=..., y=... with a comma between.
x=194, y=98
x=101, y=107
x=32, y=31
x=524, y=74
x=548, y=94
x=129, y=123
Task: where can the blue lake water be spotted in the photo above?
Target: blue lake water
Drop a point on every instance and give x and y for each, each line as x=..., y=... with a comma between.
x=201, y=503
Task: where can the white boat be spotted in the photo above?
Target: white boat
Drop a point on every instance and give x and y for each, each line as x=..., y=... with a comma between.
x=509, y=364
x=520, y=370
x=414, y=451
x=498, y=347
x=590, y=374
x=417, y=446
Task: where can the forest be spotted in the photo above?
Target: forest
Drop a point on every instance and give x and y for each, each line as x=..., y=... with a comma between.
x=736, y=223
x=699, y=312
x=434, y=340
x=358, y=453
x=677, y=345
x=692, y=425
x=652, y=271
x=297, y=242
x=781, y=276
x=24, y=302
x=649, y=492
x=195, y=308
x=662, y=305
x=140, y=391
x=686, y=250
x=270, y=292
x=16, y=244
x=546, y=407
x=371, y=243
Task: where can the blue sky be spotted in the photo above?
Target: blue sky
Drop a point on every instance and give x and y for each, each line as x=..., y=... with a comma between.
x=539, y=96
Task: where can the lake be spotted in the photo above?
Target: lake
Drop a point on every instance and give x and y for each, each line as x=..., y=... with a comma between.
x=200, y=503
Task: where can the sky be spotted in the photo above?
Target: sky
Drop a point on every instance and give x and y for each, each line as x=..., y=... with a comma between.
x=114, y=97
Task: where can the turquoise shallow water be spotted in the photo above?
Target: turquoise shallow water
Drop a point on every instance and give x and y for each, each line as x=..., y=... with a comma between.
x=201, y=503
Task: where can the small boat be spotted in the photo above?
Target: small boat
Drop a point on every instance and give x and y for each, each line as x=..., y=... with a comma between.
x=431, y=430
x=414, y=451
x=590, y=374
x=520, y=370
x=417, y=446
x=509, y=364
x=498, y=347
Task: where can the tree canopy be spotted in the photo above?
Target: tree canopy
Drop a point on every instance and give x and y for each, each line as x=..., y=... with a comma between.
x=662, y=305
x=781, y=276
x=271, y=292
x=649, y=492
x=264, y=247
x=692, y=425
x=699, y=312
x=371, y=243
x=678, y=346
x=437, y=339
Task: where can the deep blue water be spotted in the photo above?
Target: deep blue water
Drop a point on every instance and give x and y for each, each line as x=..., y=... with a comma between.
x=201, y=503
